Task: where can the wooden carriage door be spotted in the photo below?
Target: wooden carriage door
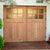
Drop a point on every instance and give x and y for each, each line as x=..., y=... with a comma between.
x=24, y=23
x=14, y=24
x=36, y=23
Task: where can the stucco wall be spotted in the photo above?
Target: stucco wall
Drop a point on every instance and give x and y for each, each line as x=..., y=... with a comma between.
x=32, y=3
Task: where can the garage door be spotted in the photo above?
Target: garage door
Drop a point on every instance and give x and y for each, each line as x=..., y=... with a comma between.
x=24, y=23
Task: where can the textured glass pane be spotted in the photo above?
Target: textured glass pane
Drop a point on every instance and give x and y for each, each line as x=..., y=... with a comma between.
x=40, y=10
x=30, y=11
x=8, y=10
x=20, y=10
x=35, y=11
x=35, y=16
x=14, y=15
x=20, y=16
x=14, y=10
x=8, y=16
x=40, y=16
x=30, y=16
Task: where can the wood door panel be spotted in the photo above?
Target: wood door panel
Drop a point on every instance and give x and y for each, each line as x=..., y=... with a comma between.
x=20, y=32
x=38, y=32
x=11, y=32
x=29, y=31
x=8, y=32
x=35, y=31
x=41, y=31
x=14, y=32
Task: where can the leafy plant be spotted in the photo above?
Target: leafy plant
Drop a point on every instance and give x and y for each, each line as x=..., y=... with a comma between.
x=0, y=23
x=47, y=0
x=11, y=3
x=39, y=1
x=1, y=42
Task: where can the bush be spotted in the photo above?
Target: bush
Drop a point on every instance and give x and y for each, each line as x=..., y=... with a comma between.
x=1, y=42
x=0, y=23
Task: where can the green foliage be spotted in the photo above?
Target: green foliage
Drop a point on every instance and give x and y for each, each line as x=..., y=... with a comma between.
x=39, y=1
x=0, y=23
x=47, y=0
x=1, y=42
x=0, y=48
x=11, y=3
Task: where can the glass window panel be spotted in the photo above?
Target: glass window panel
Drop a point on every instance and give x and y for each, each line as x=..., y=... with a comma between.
x=36, y=16
x=35, y=11
x=14, y=15
x=30, y=10
x=20, y=10
x=40, y=16
x=40, y=10
x=8, y=10
x=8, y=16
x=14, y=10
x=30, y=16
x=20, y=16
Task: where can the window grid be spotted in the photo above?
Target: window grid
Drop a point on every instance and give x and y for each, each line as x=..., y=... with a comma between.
x=36, y=14
x=15, y=13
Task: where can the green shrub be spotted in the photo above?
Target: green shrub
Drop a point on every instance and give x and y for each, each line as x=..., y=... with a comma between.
x=11, y=3
x=0, y=23
x=1, y=42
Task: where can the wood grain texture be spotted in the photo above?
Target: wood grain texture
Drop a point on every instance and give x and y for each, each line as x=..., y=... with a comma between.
x=20, y=30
